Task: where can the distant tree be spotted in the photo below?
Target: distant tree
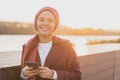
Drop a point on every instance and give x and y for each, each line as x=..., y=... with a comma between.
x=27, y=28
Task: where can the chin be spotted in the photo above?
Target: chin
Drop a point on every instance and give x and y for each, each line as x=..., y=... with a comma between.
x=45, y=34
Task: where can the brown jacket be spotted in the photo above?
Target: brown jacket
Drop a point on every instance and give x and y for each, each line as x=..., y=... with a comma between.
x=62, y=58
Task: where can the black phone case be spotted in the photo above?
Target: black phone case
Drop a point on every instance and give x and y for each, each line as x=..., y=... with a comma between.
x=32, y=64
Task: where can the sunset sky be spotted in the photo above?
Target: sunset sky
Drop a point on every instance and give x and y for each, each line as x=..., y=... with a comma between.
x=74, y=13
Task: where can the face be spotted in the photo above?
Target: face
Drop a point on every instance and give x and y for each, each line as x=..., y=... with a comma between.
x=46, y=23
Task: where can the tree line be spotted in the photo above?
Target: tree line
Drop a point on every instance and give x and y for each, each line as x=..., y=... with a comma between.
x=27, y=28
x=16, y=28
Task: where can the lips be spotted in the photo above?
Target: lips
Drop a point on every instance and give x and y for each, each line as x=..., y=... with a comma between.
x=45, y=29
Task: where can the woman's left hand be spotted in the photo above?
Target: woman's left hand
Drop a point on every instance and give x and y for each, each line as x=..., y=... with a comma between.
x=45, y=72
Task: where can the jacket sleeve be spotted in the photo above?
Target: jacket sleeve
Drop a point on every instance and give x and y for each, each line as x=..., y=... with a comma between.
x=22, y=55
x=72, y=71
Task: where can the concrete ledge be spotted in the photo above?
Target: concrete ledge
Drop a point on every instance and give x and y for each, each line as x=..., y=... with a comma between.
x=10, y=73
x=102, y=66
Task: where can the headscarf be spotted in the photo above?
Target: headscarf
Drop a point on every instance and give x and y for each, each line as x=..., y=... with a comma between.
x=52, y=10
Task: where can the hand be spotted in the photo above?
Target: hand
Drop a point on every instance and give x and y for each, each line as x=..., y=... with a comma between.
x=29, y=71
x=45, y=72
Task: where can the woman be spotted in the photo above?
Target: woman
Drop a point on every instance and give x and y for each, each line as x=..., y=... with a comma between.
x=55, y=56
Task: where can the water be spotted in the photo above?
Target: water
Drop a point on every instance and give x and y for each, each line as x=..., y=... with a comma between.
x=15, y=42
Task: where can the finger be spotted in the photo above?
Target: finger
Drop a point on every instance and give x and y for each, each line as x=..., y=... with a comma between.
x=43, y=76
x=30, y=74
x=43, y=71
x=43, y=68
x=35, y=71
x=30, y=68
x=26, y=67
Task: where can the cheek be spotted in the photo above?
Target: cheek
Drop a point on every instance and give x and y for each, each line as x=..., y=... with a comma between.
x=52, y=25
x=38, y=23
x=38, y=27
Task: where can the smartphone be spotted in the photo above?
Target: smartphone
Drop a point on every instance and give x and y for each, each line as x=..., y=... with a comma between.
x=32, y=64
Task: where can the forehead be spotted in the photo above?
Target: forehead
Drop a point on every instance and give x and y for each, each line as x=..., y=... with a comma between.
x=46, y=14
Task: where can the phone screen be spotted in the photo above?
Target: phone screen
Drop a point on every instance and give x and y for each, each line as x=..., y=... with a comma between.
x=32, y=64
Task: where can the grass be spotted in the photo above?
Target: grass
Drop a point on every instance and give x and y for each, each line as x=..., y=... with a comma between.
x=91, y=42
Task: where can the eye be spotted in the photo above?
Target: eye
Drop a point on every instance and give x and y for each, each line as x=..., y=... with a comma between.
x=41, y=19
x=50, y=20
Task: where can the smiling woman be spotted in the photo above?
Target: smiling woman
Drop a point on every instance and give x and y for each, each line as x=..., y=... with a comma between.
x=55, y=56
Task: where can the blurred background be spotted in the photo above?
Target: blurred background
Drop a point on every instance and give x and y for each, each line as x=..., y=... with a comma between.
x=92, y=26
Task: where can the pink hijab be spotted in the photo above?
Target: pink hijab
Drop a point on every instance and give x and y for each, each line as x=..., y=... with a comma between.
x=53, y=11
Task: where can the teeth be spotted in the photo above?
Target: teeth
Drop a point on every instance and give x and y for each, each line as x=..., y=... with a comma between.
x=45, y=28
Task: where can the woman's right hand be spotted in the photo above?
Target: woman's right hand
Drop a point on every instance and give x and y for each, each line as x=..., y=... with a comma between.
x=29, y=71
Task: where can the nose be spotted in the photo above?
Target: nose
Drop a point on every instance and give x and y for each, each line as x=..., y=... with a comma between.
x=45, y=22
